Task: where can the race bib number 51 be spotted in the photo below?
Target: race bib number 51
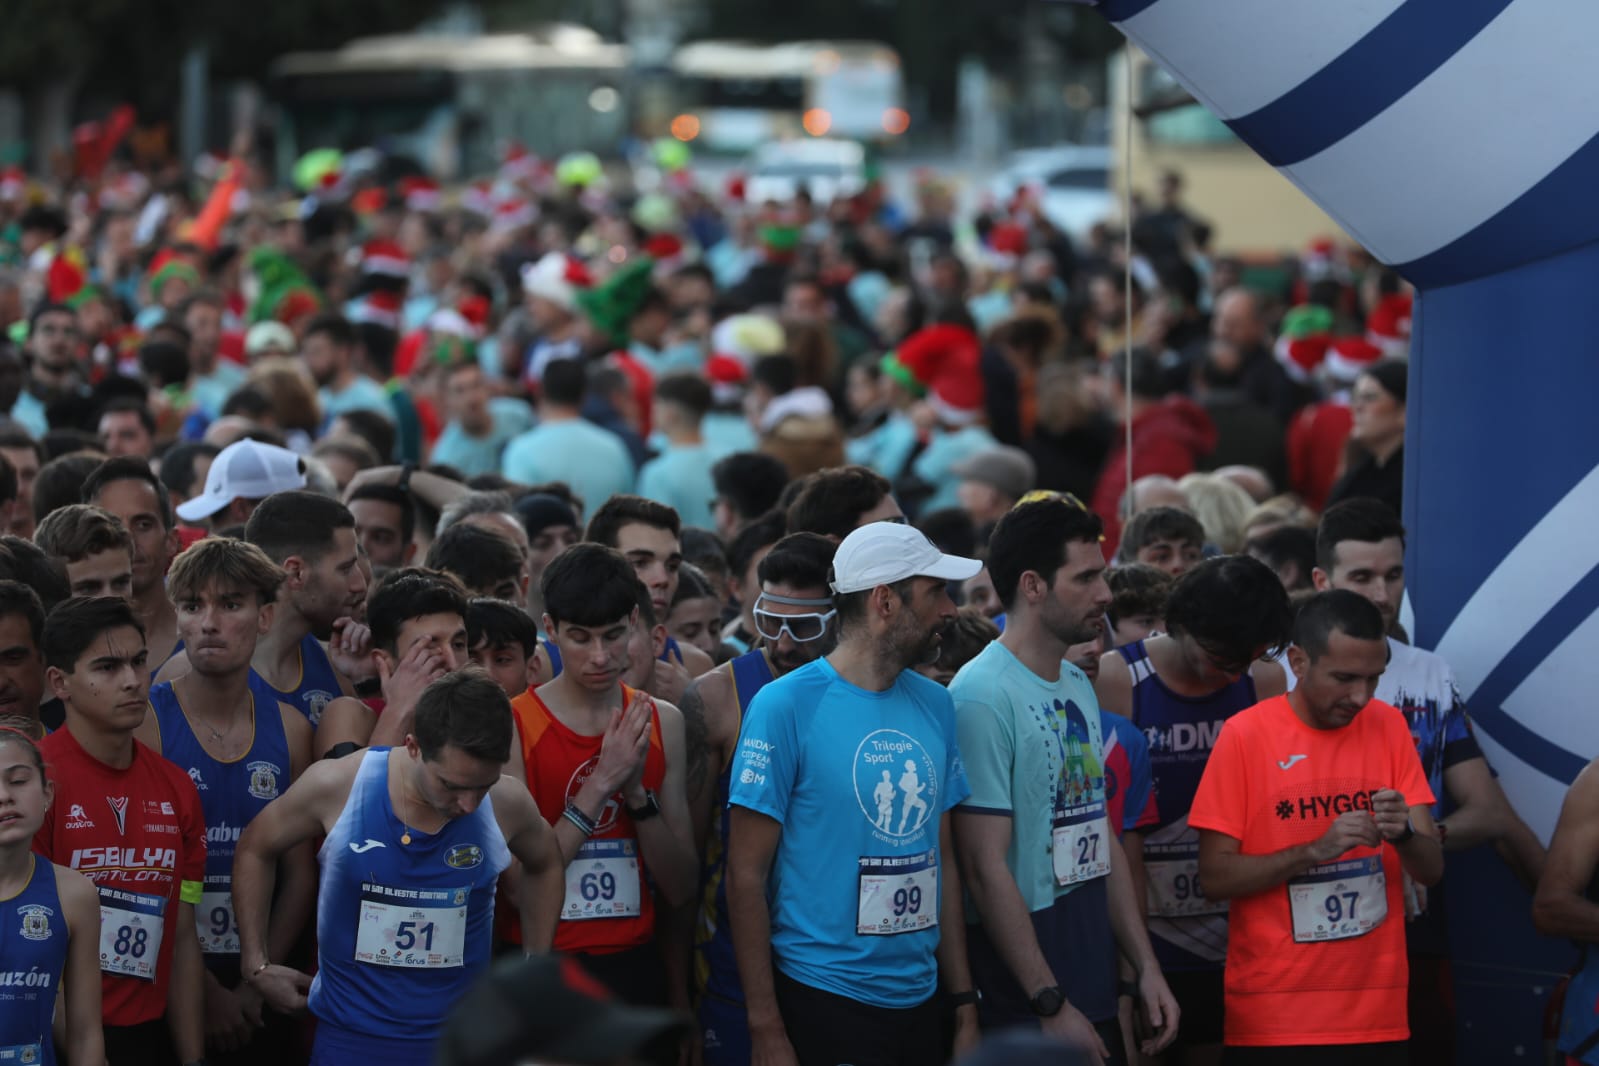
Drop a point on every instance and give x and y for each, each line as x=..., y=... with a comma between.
x=1339, y=900
x=897, y=895
x=413, y=928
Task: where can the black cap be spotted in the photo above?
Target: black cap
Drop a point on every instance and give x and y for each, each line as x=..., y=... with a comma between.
x=549, y=1008
x=539, y=511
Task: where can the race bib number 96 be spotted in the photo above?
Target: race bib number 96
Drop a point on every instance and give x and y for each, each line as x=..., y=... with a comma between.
x=897, y=895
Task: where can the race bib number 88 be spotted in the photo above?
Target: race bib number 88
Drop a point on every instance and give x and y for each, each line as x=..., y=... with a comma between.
x=130, y=933
x=897, y=895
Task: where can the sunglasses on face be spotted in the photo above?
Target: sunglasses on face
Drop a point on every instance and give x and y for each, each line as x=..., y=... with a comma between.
x=801, y=628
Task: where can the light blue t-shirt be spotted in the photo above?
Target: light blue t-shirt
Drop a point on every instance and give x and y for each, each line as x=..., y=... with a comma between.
x=858, y=780
x=1032, y=750
x=593, y=461
x=726, y=432
x=680, y=477
x=212, y=390
x=481, y=455
x=938, y=459
x=887, y=448
x=361, y=394
x=28, y=411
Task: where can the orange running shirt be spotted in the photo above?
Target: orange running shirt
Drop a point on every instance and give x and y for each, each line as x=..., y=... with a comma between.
x=1273, y=783
x=608, y=904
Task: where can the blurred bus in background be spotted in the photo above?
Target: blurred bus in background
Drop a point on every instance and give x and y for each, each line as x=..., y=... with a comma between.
x=736, y=95
x=448, y=104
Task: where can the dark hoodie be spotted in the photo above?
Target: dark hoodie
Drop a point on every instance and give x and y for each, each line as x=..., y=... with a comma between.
x=1169, y=437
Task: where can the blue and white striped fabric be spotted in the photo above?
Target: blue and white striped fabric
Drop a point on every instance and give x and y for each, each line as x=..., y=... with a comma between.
x=1453, y=138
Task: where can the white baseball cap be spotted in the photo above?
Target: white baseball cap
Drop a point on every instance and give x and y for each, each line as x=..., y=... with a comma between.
x=244, y=470
x=881, y=553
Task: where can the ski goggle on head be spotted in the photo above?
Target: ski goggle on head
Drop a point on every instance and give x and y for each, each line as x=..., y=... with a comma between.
x=803, y=628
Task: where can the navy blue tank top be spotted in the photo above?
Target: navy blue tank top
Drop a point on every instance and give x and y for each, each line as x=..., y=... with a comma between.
x=402, y=929
x=1189, y=931
x=33, y=954
x=715, y=966
x=319, y=682
x=231, y=794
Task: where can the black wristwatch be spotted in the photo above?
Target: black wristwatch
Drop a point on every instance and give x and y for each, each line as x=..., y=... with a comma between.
x=1047, y=1002
x=404, y=482
x=969, y=998
x=646, y=812
x=1410, y=831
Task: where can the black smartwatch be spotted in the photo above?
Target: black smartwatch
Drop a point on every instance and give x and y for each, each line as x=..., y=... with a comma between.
x=1410, y=831
x=1047, y=1002
x=404, y=483
x=646, y=812
x=970, y=998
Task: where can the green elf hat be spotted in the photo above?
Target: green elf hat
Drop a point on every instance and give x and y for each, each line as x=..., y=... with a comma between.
x=780, y=238
x=85, y=295
x=284, y=286
x=612, y=304
x=891, y=366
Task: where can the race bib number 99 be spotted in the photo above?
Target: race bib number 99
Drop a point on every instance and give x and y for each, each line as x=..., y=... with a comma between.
x=413, y=928
x=131, y=927
x=897, y=895
x=1339, y=900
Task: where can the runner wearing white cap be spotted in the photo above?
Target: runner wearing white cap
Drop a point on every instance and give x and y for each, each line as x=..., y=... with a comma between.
x=842, y=879
x=241, y=476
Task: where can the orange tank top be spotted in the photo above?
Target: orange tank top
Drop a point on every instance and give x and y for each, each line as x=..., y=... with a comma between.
x=558, y=761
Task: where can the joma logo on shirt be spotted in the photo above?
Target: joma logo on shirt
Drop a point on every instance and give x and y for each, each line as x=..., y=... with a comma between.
x=1325, y=806
x=131, y=858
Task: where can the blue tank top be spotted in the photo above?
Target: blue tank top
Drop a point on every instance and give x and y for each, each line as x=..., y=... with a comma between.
x=1579, y=1018
x=1189, y=933
x=319, y=682
x=33, y=954
x=231, y=794
x=402, y=929
x=715, y=966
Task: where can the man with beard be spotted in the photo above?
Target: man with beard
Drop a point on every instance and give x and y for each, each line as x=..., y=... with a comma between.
x=842, y=886
x=313, y=539
x=1053, y=896
x=794, y=618
x=329, y=352
x=126, y=487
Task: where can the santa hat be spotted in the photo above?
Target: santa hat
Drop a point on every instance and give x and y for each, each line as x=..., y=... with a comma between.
x=13, y=183
x=511, y=213
x=1388, y=325
x=519, y=164
x=557, y=278
x=1320, y=259
x=450, y=322
x=946, y=359
x=479, y=199
x=475, y=309
x=380, y=309
x=1306, y=334
x=369, y=201
x=1008, y=239
x=68, y=275
x=1350, y=357
x=421, y=194
x=727, y=377
x=385, y=259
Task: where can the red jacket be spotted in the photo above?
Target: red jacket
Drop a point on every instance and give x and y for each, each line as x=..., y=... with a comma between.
x=1169, y=437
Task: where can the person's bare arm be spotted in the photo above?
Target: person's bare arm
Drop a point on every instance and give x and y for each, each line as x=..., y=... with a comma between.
x=344, y=720
x=1155, y=1001
x=752, y=842
x=668, y=841
x=710, y=728
x=308, y=809
x=186, y=988
x=541, y=888
x=1410, y=830
x=435, y=491
x=1561, y=906
x=1227, y=873
x=1482, y=814
x=954, y=971
x=1114, y=685
x=83, y=1038
x=1133, y=849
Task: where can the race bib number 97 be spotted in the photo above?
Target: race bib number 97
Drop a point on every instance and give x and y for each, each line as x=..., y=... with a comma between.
x=1339, y=900
x=897, y=895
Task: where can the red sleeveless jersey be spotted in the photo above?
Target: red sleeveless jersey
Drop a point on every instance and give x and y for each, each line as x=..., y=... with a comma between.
x=558, y=761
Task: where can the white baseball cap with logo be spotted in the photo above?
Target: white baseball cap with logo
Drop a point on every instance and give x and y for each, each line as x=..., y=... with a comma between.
x=881, y=553
x=244, y=470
